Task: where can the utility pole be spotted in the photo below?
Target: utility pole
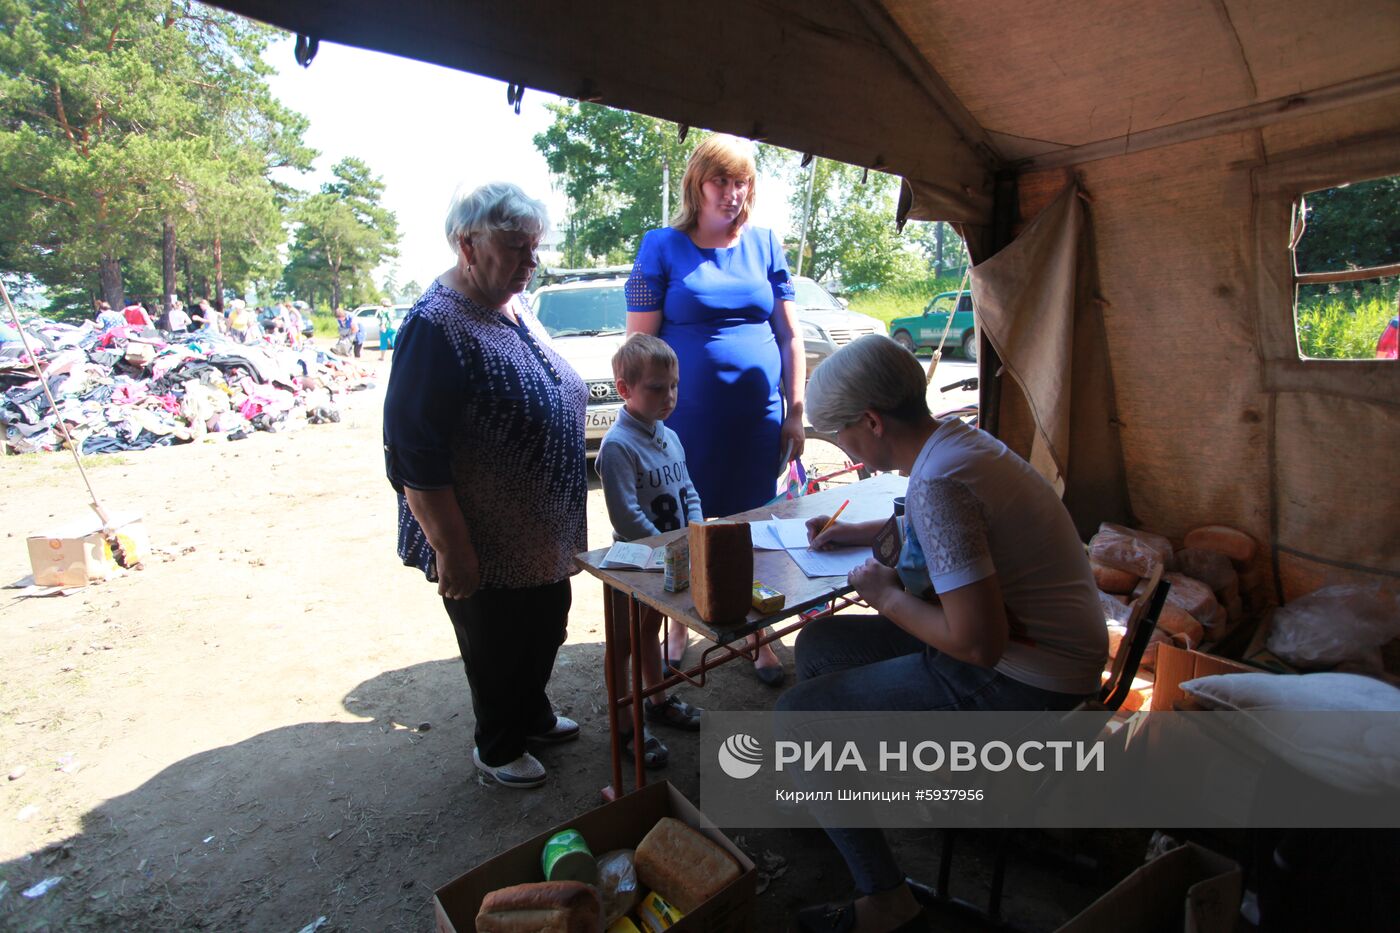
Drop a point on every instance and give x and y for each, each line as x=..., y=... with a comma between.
x=665, y=189
x=806, y=215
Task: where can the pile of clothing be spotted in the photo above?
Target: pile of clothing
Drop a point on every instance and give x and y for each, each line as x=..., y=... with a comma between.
x=130, y=388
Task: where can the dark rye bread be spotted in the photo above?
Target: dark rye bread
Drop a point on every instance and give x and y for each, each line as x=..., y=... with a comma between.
x=721, y=571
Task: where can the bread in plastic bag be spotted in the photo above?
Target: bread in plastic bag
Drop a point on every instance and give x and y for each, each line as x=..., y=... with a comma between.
x=1335, y=624
x=617, y=884
x=1130, y=549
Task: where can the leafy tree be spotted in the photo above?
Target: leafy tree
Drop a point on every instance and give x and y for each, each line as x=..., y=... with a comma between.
x=1353, y=227
x=343, y=234
x=114, y=118
x=411, y=292
x=850, y=232
x=611, y=163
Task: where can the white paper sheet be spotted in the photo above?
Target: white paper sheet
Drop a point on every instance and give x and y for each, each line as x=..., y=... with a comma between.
x=834, y=563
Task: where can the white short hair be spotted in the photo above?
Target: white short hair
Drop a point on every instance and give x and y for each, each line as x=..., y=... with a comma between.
x=491, y=208
x=873, y=372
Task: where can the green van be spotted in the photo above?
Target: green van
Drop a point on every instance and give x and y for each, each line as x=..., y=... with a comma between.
x=926, y=329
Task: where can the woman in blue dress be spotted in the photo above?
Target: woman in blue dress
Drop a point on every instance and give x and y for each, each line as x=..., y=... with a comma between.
x=718, y=291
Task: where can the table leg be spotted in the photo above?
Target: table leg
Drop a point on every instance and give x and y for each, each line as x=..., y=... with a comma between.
x=614, y=790
x=634, y=624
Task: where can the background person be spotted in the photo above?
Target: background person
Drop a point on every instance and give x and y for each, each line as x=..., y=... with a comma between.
x=717, y=290
x=998, y=612
x=385, y=318
x=483, y=441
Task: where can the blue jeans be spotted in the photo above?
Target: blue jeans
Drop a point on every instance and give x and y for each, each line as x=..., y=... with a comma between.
x=855, y=662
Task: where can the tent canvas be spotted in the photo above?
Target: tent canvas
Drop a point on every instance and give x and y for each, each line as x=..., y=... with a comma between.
x=1190, y=127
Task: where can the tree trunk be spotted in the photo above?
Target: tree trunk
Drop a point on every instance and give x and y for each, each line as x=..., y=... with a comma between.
x=110, y=274
x=335, y=286
x=218, y=272
x=938, y=248
x=167, y=265
x=189, y=280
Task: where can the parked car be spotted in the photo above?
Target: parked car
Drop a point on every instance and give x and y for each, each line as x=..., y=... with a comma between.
x=587, y=320
x=925, y=330
x=368, y=318
x=826, y=323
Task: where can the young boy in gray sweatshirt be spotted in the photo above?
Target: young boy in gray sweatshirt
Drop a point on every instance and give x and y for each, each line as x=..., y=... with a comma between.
x=648, y=491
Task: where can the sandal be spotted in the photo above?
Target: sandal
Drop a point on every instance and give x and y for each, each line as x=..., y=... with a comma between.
x=673, y=711
x=654, y=754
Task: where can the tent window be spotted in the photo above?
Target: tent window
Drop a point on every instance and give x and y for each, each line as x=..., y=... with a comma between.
x=1346, y=270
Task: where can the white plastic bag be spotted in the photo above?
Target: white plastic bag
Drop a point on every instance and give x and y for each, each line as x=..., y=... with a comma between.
x=1335, y=624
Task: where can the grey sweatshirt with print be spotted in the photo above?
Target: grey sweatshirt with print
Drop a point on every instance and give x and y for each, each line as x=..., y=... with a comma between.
x=645, y=482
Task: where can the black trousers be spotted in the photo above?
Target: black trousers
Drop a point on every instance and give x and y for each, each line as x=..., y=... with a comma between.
x=509, y=638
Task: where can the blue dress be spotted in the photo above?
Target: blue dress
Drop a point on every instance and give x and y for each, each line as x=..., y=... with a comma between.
x=716, y=307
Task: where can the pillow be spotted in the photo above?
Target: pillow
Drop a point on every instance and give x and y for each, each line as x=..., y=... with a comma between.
x=1341, y=729
x=1290, y=692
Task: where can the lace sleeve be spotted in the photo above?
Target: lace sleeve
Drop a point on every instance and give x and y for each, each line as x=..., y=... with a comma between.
x=646, y=286
x=952, y=528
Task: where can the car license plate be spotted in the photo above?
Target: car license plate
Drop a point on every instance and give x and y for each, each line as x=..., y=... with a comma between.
x=600, y=419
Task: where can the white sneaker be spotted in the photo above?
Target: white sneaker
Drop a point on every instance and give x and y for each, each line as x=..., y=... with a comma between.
x=564, y=730
x=525, y=771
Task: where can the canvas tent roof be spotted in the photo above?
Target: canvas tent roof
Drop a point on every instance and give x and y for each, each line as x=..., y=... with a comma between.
x=1187, y=125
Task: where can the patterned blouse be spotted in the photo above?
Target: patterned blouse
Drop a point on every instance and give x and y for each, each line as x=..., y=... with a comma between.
x=489, y=409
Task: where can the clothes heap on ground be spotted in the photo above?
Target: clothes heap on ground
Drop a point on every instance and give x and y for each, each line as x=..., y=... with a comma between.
x=132, y=387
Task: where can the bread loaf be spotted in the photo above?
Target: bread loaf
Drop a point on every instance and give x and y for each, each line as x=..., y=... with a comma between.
x=1129, y=549
x=721, y=571
x=1210, y=567
x=1177, y=621
x=1236, y=545
x=1113, y=580
x=1193, y=596
x=541, y=907
x=682, y=865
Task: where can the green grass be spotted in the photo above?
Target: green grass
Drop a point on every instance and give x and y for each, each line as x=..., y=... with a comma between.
x=1344, y=325
x=324, y=322
x=902, y=300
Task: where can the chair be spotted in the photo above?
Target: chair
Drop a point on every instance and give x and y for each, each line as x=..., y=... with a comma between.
x=1142, y=622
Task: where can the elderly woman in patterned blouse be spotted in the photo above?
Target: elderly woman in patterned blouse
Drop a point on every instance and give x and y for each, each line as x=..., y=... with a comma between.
x=483, y=441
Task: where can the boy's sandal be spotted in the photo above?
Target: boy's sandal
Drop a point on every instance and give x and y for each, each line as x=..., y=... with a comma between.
x=673, y=711
x=654, y=754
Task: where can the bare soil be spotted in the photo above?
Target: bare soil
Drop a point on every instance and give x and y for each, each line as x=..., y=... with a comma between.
x=269, y=724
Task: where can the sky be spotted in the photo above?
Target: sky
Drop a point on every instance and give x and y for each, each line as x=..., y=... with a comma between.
x=425, y=130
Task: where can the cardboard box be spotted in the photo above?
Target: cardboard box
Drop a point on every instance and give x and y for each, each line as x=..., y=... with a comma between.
x=617, y=825
x=78, y=554
x=1176, y=665
x=1190, y=888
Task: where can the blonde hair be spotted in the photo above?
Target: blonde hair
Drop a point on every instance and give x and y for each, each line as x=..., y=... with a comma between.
x=641, y=352
x=873, y=372
x=717, y=155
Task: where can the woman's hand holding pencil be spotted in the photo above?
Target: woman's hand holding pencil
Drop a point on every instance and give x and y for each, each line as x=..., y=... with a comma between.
x=819, y=526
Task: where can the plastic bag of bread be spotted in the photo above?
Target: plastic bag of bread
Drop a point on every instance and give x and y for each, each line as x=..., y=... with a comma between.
x=617, y=884
x=1113, y=610
x=683, y=865
x=1128, y=549
x=1177, y=621
x=1335, y=624
x=541, y=907
x=1193, y=596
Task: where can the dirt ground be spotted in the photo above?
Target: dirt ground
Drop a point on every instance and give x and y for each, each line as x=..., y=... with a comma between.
x=269, y=724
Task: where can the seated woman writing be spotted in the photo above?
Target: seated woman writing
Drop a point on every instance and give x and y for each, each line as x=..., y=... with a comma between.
x=993, y=606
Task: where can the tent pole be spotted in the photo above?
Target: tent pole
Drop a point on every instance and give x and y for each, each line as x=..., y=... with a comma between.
x=1005, y=209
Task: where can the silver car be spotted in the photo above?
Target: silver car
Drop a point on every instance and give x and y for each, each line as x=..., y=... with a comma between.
x=827, y=325
x=587, y=322
x=367, y=316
